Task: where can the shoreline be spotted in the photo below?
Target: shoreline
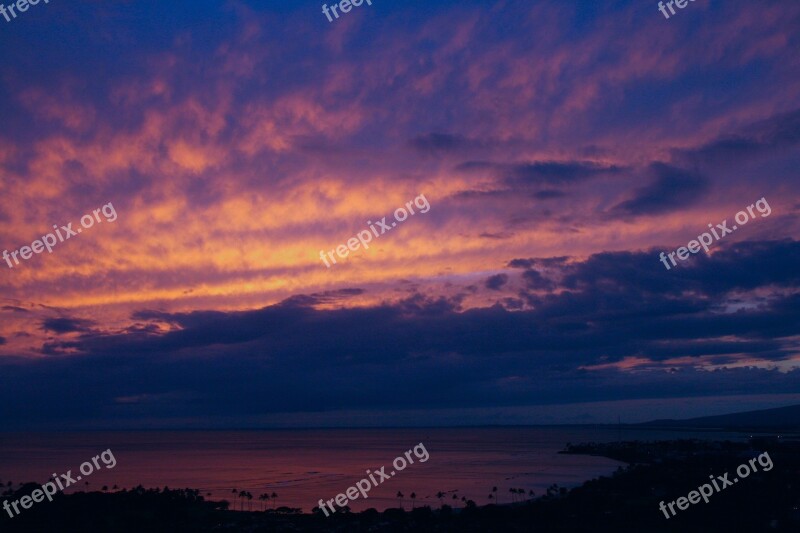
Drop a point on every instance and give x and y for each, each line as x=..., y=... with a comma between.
x=627, y=500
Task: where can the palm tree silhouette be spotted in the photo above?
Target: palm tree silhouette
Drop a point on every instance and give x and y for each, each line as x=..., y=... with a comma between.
x=274, y=497
x=455, y=499
x=494, y=490
x=413, y=498
x=531, y=494
x=400, y=496
x=263, y=499
x=249, y=501
x=490, y=497
x=440, y=495
x=242, y=495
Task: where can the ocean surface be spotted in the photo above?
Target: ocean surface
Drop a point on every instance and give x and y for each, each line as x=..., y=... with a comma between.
x=302, y=466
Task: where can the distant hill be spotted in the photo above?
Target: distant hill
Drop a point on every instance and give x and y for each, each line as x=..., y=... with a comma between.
x=781, y=418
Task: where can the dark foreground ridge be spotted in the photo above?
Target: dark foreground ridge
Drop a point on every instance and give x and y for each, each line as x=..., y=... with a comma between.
x=625, y=502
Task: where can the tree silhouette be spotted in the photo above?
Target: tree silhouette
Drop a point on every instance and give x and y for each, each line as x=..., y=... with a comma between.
x=490, y=497
x=440, y=495
x=494, y=490
x=400, y=496
x=413, y=499
x=274, y=497
x=249, y=501
x=455, y=500
x=242, y=495
x=531, y=494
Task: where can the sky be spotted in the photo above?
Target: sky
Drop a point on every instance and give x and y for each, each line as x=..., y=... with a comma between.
x=560, y=148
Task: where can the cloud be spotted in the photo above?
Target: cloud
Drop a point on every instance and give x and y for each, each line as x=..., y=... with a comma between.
x=534, y=280
x=535, y=173
x=433, y=143
x=496, y=282
x=672, y=189
x=499, y=236
x=615, y=325
x=67, y=325
x=14, y=308
x=209, y=285
x=549, y=194
x=778, y=132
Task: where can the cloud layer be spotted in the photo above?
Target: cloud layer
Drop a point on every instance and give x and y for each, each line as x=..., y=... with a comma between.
x=561, y=149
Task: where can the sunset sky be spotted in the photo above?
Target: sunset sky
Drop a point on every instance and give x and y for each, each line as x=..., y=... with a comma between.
x=562, y=147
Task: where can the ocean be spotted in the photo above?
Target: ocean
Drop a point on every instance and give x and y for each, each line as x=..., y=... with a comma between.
x=302, y=466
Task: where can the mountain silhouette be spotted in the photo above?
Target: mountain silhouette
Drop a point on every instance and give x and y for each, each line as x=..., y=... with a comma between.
x=781, y=418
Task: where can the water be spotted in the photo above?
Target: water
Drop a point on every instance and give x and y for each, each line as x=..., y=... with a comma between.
x=302, y=466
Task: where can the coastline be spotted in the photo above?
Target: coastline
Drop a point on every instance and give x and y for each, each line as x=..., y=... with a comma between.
x=627, y=500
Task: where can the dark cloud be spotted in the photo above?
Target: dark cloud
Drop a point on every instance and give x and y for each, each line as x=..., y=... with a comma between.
x=67, y=325
x=434, y=143
x=549, y=194
x=672, y=189
x=496, y=282
x=552, y=172
x=340, y=294
x=500, y=236
x=515, y=181
x=537, y=173
x=15, y=309
x=764, y=137
x=143, y=328
x=424, y=352
x=534, y=280
x=542, y=262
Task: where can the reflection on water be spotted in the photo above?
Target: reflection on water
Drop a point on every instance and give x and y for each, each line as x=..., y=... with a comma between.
x=302, y=466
